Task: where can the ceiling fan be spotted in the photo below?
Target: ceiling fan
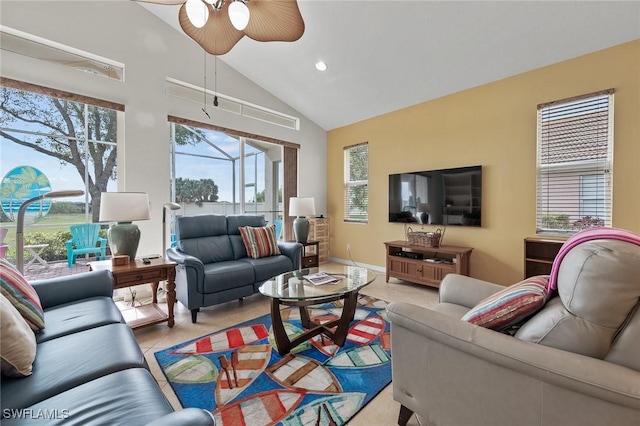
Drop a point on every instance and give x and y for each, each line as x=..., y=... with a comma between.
x=217, y=25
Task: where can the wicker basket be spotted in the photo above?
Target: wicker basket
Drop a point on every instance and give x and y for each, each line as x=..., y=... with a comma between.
x=424, y=239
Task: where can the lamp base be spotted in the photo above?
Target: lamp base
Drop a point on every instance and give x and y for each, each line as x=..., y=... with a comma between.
x=301, y=229
x=124, y=238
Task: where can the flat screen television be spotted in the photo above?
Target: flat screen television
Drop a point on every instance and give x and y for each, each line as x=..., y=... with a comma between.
x=448, y=197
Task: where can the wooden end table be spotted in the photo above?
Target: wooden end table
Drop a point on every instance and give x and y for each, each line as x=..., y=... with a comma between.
x=136, y=273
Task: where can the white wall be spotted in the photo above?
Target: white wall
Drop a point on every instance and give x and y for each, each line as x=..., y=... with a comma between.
x=151, y=51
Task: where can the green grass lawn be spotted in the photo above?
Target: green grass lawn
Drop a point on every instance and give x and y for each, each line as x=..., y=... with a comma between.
x=53, y=229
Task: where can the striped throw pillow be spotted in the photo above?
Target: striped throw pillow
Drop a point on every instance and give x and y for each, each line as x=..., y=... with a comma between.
x=511, y=306
x=259, y=241
x=22, y=296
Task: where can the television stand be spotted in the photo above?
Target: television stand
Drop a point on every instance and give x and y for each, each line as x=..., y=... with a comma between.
x=425, y=265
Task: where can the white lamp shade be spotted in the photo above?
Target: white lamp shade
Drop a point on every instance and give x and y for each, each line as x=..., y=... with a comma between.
x=239, y=15
x=302, y=206
x=124, y=206
x=198, y=12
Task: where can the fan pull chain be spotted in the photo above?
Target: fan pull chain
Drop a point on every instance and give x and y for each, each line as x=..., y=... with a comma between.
x=204, y=91
x=215, y=81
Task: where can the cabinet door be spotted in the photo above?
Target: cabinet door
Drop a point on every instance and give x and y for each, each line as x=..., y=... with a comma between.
x=416, y=270
x=397, y=265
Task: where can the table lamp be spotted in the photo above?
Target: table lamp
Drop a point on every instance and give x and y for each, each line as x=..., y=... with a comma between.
x=301, y=207
x=124, y=208
x=167, y=206
x=20, y=222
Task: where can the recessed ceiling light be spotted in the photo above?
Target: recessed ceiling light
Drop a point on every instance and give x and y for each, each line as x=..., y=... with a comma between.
x=321, y=66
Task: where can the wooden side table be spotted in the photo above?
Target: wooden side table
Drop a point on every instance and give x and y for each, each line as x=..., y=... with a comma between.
x=539, y=254
x=310, y=254
x=136, y=273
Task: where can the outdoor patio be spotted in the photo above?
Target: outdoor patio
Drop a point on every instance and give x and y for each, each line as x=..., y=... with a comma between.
x=54, y=269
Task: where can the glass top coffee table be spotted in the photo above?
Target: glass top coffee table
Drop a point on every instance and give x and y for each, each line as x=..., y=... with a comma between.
x=292, y=289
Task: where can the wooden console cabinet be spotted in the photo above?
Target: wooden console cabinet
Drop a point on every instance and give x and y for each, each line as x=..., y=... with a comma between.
x=425, y=265
x=539, y=254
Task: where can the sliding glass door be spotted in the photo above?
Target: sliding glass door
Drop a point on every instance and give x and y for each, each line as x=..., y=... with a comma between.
x=214, y=172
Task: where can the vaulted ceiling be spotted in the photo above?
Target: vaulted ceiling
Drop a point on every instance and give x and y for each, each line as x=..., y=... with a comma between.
x=387, y=55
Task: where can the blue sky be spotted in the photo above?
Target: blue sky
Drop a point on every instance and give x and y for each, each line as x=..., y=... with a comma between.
x=65, y=176
x=218, y=170
x=62, y=177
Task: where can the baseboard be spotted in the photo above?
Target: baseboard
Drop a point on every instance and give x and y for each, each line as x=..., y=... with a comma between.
x=352, y=262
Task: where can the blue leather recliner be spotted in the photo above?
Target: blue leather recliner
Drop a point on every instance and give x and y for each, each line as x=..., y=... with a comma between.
x=213, y=266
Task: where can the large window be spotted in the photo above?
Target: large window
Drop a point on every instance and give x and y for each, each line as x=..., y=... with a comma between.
x=575, y=147
x=356, y=183
x=53, y=143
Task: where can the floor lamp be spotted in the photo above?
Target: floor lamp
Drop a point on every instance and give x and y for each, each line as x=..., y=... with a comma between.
x=162, y=292
x=167, y=206
x=20, y=224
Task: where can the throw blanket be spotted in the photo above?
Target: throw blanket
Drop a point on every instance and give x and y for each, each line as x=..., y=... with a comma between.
x=588, y=235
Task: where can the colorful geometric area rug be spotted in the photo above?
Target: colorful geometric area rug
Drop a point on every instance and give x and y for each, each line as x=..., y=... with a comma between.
x=238, y=374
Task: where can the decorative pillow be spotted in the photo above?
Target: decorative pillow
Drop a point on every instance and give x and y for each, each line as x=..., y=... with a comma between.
x=22, y=296
x=18, y=349
x=260, y=241
x=510, y=306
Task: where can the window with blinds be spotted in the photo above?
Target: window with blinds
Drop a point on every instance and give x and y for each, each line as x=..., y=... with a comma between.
x=356, y=183
x=575, y=149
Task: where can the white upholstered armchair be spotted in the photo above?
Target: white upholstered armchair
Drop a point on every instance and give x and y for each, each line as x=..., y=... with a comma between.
x=575, y=362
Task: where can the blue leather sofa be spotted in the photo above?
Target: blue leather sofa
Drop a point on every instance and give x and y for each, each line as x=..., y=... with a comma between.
x=213, y=266
x=89, y=369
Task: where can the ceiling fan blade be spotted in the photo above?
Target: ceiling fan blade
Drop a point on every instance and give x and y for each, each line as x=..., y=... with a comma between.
x=274, y=20
x=217, y=36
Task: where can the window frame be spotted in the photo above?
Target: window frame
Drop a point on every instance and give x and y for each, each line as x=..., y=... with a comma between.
x=44, y=231
x=574, y=141
x=350, y=184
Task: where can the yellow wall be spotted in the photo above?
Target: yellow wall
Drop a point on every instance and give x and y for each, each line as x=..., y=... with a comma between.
x=495, y=126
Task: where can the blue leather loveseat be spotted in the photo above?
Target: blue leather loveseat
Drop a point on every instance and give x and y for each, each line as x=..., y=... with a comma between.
x=213, y=266
x=88, y=369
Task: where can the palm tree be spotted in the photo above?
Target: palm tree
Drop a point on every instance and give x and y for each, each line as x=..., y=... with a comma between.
x=9, y=189
x=31, y=178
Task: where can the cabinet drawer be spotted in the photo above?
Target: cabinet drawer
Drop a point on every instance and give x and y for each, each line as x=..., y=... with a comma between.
x=140, y=277
x=310, y=262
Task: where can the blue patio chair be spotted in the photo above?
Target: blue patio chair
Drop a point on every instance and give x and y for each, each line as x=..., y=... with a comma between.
x=85, y=239
x=278, y=224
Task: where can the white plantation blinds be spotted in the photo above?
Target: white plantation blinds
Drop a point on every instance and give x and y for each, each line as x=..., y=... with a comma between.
x=356, y=183
x=575, y=149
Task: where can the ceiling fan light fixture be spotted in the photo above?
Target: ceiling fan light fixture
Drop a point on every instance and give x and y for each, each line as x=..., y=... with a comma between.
x=197, y=12
x=271, y=20
x=239, y=15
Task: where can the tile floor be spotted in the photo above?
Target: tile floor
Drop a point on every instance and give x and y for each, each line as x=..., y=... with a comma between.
x=382, y=410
